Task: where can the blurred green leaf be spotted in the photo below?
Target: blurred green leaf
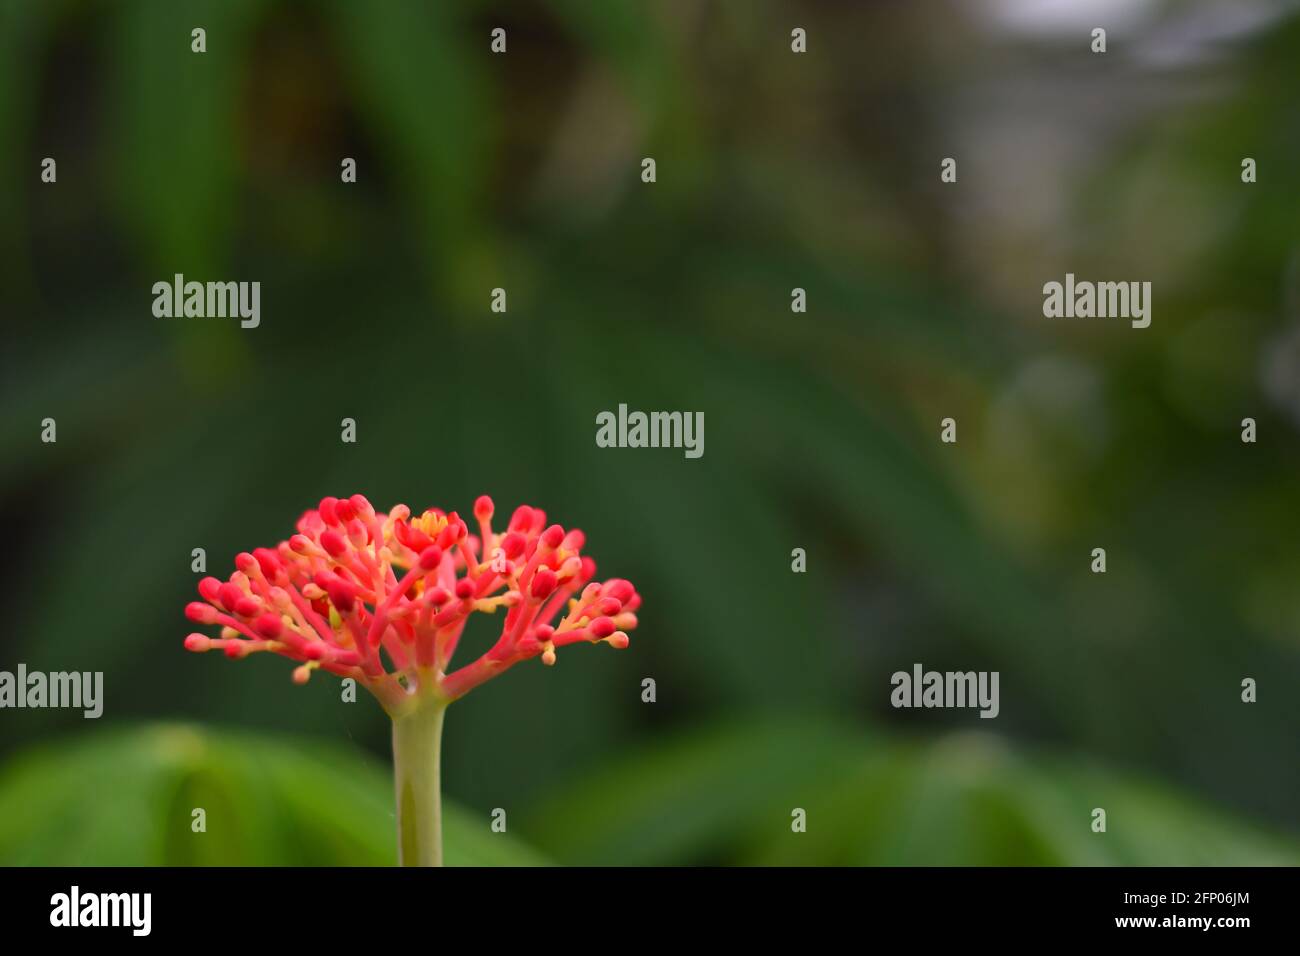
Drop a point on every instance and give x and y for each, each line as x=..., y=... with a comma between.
x=727, y=796
x=23, y=31
x=178, y=157
x=694, y=797
x=425, y=97
x=125, y=798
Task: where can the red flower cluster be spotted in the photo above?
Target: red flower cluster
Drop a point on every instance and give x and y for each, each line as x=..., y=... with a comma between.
x=385, y=598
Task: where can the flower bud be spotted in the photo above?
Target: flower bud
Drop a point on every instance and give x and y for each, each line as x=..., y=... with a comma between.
x=229, y=595
x=543, y=583
x=342, y=595
x=333, y=543
x=209, y=588
x=201, y=613
x=326, y=510
x=513, y=544
x=247, y=606
x=268, y=625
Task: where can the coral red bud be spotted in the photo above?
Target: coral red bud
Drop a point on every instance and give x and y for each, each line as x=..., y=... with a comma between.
x=410, y=537
x=618, y=639
x=269, y=626
x=553, y=536
x=333, y=543
x=229, y=595
x=588, y=569
x=209, y=588
x=574, y=540
x=464, y=588
x=439, y=597
x=618, y=588
x=247, y=607
x=543, y=632
x=543, y=583
x=602, y=627
x=268, y=561
x=245, y=561
x=363, y=506
x=342, y=595
x=300, y=544
x=483, y=508
x=201, y=613
x=326, y=510
x=344, y=510
x=513, y=545
x=609, y=605
x=522, y=519
x=430, y=557
x=198, y=642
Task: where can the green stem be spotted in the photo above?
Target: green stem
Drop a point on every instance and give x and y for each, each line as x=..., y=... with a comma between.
x=417, y=746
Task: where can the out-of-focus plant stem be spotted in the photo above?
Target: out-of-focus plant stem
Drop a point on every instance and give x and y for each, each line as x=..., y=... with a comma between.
x=417, y=751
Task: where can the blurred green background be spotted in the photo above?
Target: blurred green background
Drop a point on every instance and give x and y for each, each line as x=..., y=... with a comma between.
x=775, y=171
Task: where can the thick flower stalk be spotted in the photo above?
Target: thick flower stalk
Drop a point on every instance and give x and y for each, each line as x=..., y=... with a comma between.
x=384, y=599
